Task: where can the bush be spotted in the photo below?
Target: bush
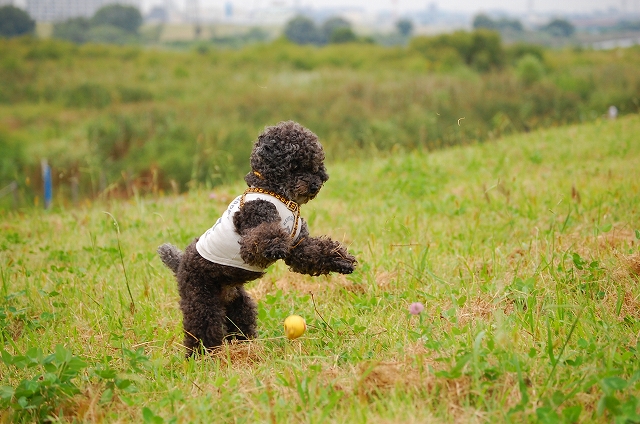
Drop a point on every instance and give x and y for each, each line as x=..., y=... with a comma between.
x=342, y=35
x=481, y=49
x=49, y=50
x=88, y=95
x=134, y=94
x=75, y=30
x=12, y=158
x=109, y=34
x=517, y=51
x=331, y=25
x=529, y=70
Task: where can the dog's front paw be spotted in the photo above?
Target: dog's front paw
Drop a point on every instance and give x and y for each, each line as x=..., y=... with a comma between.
x=345, y=265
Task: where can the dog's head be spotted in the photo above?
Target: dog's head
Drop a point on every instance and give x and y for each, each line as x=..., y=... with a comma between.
x=288, y=159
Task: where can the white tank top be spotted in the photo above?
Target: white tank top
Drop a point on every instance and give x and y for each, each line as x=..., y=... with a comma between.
x=221, y=243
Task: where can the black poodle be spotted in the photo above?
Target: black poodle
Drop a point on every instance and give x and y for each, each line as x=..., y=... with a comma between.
x=259, y=227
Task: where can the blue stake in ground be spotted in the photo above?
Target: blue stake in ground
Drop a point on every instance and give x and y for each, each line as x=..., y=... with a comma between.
x=48, y=185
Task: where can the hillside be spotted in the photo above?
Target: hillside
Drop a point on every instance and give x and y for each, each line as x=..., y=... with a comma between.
x=524, y=251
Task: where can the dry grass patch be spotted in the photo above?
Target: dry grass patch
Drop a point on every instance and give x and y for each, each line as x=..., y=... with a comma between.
x=617, y=238
x=240, y=354
x=633, y=265
x=477, y=308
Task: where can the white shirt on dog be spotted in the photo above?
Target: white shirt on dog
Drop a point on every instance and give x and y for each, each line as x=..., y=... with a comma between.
x=221, y=243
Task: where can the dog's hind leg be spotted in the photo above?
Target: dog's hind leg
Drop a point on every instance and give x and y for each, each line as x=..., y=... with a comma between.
x=203, y=322
x=241, y=316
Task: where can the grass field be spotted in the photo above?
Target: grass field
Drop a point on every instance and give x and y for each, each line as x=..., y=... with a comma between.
x=524, y=251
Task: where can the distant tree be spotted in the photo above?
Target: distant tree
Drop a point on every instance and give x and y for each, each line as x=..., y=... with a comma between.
x=342, y=35
x=629, y=25
x=510, y=24
x=503, y=24
x=332, y=24
x=14, y=22
x=75, y=29
x=486, y=50
x=483, y=21
x=480, y=49
x=127, y=18
x=559, y=28
x=404, y=27
x=302, y=30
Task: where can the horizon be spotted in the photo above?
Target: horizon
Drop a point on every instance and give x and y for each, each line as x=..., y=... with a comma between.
x=403, y=6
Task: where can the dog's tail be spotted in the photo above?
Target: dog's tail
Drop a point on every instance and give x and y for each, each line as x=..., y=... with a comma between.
x=171, y=256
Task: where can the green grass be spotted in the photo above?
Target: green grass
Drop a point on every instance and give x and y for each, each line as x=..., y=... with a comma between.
x=524, y=251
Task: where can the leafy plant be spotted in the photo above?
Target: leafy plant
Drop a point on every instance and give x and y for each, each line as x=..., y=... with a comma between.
x=48, y=392
x=529, y=70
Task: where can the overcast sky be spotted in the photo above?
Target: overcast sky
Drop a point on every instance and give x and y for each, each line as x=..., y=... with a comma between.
x=469, y=6
x=475, y=6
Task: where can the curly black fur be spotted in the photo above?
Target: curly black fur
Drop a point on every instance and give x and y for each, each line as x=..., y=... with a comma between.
x=287, y=159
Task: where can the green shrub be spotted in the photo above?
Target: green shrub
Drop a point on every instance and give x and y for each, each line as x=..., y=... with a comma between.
x=342, y=35
x=75, y=30
x=480, y=49
x=529, y=70
x=112, y=137
x=12, y=158
x=517, y=51
x=109, y=34
x=88, y=95
x=49, y=391
x=581, y=84
x=134, y=94
x=15, y=75
x=49, y=50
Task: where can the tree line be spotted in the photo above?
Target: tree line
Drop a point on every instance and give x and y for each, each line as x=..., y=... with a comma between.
x=115, y=23
x=120, y=24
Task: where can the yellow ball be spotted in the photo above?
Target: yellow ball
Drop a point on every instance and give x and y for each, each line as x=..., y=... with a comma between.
x=294, y=326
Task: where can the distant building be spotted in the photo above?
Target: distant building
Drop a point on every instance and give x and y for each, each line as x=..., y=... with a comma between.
x=61, y=10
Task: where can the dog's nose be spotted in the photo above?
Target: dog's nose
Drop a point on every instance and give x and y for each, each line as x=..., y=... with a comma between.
x=315, y=187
